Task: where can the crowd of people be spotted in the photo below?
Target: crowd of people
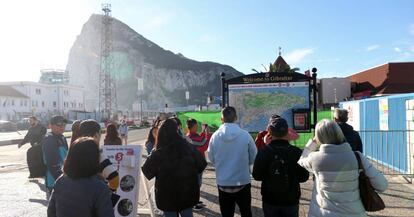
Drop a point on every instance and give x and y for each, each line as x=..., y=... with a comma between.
x=329, y=158
x=82, y=182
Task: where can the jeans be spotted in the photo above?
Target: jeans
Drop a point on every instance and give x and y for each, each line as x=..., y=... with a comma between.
x=183, y=213
x=280, y=211
x=242, y=198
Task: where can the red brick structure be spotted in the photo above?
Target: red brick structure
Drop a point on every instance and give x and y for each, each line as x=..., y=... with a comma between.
x=390, y=78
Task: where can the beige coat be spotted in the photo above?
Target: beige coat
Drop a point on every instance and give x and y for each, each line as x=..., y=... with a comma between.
x=336, y=191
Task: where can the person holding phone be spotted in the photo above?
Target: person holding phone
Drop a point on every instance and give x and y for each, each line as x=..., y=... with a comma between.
x=200, y=141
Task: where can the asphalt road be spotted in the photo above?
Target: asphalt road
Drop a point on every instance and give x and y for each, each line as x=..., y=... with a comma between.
x=23, y=197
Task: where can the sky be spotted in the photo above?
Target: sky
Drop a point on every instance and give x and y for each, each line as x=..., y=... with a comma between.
x=339, y=37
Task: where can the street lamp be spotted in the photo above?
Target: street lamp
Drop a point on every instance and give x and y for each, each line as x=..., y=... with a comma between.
x=187, y=96
x=140, y=93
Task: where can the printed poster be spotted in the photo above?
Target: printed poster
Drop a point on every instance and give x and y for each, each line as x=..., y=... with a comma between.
x=383, y=114
x=127, y=160
x=353, y=114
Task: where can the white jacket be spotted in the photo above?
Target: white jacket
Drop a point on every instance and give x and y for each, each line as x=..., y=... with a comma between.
x=336, y=191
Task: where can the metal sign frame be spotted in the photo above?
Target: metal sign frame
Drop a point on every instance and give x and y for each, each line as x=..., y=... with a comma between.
x=276, y=78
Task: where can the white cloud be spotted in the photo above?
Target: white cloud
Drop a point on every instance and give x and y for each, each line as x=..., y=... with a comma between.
x=397, y=49
x=322, y=60
x=372, y=47
x=298, y=55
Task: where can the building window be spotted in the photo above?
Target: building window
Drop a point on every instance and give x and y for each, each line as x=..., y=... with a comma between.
x=33, y=103
x=38, y=91
x=37, y=104
x=21, y=102
x=54, y=104
x=43, y=104
x=12, y=102
x=25, y=103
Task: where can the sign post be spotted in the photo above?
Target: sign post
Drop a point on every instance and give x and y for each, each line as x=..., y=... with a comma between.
x=127, y=160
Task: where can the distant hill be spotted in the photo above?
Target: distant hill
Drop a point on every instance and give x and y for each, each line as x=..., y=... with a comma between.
x=166, y=75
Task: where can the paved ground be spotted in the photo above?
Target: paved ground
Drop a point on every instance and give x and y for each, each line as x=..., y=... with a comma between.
x=399, y=198
x=27, y=198
x=21, y=197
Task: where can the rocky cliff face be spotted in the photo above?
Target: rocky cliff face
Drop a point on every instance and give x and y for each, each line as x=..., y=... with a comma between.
x=166, y=75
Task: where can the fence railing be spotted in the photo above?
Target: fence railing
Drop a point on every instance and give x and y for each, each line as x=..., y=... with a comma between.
x=391, y=151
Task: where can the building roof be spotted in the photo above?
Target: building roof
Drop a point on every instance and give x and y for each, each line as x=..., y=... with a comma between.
x=10, y=92
x=280, y=63
x=389, y=78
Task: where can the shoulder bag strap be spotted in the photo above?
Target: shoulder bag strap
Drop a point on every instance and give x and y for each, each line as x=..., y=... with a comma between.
x=360, y=167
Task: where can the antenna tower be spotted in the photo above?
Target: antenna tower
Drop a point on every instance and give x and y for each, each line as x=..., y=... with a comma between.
x=107, y=87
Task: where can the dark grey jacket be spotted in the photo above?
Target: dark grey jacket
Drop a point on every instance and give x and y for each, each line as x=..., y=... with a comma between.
x=351, y=136
x=86, y=197
x=34, y=135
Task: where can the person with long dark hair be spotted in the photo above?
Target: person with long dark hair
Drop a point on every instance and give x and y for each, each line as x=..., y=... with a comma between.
x=175, y=164
x=112, y=136
x=152, y=134
x=80, y=191
x=75, y=131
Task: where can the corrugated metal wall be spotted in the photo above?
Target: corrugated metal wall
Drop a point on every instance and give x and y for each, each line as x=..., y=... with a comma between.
x=386, y=147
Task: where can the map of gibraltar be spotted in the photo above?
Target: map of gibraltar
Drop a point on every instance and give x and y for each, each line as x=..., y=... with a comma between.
x=255, y=103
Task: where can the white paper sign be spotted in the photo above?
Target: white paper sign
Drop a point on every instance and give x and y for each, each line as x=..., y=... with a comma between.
x=383, y=113
x=353, y=114
x=127, y=160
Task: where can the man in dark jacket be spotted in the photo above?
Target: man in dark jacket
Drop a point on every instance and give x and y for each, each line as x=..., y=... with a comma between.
x=280, y=192
x=55, y=148
x=352, y=136
x=34, y=155
x=35, y=133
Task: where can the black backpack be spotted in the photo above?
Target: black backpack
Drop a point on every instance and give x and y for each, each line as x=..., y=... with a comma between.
x=279, y=178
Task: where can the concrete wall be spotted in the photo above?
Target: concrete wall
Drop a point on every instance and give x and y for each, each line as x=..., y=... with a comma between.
x=334, y=90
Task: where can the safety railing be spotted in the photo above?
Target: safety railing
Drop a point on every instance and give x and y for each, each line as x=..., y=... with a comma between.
x=390, y=151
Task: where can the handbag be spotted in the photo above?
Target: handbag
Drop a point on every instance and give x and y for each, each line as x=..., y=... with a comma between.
x=369, y=197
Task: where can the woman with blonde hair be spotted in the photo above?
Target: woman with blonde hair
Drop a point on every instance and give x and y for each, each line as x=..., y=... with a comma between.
x=335, y=169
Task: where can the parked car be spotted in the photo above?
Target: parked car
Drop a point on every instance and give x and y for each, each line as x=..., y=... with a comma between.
x=7, y=126
x=68, y=126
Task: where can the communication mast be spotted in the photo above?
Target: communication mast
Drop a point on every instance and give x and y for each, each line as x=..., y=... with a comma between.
x=107, y=85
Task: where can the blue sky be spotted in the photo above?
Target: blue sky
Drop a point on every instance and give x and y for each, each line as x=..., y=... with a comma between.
x=338, y=37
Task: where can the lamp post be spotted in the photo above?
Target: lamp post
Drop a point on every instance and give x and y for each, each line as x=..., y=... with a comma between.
x=140, y=94
x=187, y=96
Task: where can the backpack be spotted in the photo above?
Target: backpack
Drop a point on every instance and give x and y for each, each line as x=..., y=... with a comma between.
x=279, y=177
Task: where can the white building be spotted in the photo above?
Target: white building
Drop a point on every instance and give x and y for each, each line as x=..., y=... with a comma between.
x=50, y=99
x=13, y=104
x=333, y=90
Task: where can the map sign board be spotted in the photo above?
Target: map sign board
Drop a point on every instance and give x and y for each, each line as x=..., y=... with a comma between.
x=260, y=96
x=127, y=160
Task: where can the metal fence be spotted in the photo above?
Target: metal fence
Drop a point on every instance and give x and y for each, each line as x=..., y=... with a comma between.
x=390, y=151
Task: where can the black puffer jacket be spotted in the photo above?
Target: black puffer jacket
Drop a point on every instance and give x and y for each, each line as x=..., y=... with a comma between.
x=176, y=169
x=351, y=136
x=297, y=173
